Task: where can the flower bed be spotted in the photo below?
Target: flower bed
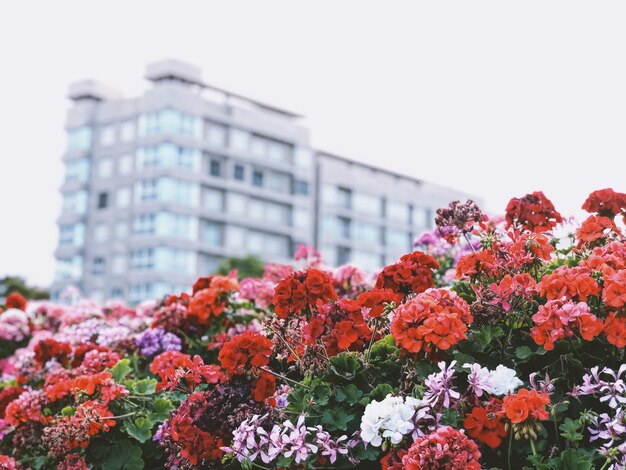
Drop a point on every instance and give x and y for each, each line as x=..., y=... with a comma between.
x=493, y=345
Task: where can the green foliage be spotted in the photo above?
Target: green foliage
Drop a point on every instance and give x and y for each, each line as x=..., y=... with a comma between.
x=10, y=284
x=121, y=370
x=249, y=266
x=120, y=455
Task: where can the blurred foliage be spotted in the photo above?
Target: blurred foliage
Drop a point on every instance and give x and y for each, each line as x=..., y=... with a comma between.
x=9, y=284
x=249, y=266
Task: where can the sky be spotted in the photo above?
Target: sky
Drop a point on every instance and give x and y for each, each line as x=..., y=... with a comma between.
x=494, y=98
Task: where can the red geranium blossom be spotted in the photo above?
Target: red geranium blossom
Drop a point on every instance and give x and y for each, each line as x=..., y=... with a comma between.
x=176, y=369
x=212, y=300
x=411, y=274
x=559, y=319
x=615, y=329
x=606, y=202
x=445, y=448
x=302, y=289
x=614, y=293
x=526, y=405
x=375, y=300
x=249, y=349
x=596, y=228
x=533, y=212
x=571, y=283
x=485, y=424
x=15, y=300
x=49, y=348
x=264, y=387
x=434, y=320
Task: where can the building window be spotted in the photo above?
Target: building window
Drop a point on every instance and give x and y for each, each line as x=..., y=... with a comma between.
x=301, y=187
x=142, y=260
x=123, y=197
x=98, y=266
x=239, y=173
x=121, y=230
x=169, y=121
x=144, y=224
x=237, y=204
x=107, y=136
x=77, y=170
x=257, y=178
x=271, y=149
x=105, y=168
x=367, y=204
x=75, y=202
x=69, y=268
x=72, y=235
x=212, y=234
x=343, y=225
x=215, y=134
x=239, y=140
x=421, y=217
x=118, y=264
x=366, y=232
x=215, y=167
x=100, y=233
x=301, y=218
x=148, y=190
x=103, y=200
x=343, y=255
x=344, y=198
x=127, y=131
x=398, y=211
x=79, y=139
x=214, y=200
x=117, y=293
x=279, y=182
x=125, y=165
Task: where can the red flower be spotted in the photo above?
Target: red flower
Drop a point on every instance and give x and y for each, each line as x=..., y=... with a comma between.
x=526, y=405
x=7, y=395
x=445, y=448
x=434, y=320
x=302, y=289
x=176, y=369
x=477, y=264
x=596, y=228
x=533, y=212
x=614, y=294
x=606, y=202
x=9, y=463
x=571, y=283
x=15, y=300
x=392, y=460
x=485, y=424
x=559, y=319
x=411, y=274
x=376, y=299
x=212, y=300
x=264, y=387
x=615, y=329
x=249, y=349
x=49, y=348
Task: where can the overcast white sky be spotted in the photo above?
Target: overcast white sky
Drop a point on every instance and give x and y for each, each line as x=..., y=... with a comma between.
x=494, y=98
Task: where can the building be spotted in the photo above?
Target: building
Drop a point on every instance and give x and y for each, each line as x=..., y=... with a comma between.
x=159, y=188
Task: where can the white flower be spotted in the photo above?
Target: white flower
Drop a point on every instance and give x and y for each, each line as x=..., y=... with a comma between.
x=391, y=418
x=503, y=381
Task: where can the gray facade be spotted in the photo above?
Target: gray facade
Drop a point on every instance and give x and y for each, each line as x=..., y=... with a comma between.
x=159, y=188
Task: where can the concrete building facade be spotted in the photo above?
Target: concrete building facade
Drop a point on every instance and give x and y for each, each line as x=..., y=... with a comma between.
x=159, y=188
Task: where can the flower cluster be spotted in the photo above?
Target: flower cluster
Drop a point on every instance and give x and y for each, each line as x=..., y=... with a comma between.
x=302, y=290
x=533, y=212
x=254, y=439
x=394, y=418
x=435, y=320
x=444, y=448
x=153, y=341
x=457, y=219
x=411, y=274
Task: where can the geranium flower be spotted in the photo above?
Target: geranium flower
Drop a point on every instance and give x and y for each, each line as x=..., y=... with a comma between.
x=486, y=424
x=444, y=448
x=526, y=405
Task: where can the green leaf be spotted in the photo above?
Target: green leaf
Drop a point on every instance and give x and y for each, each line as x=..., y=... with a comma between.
x=145, y=386
x=162, y=409
x=140, y=429
x=571, y=459
x=121, y=370
x=344, y=366
x=571, y=430
x=122, y=455
x=336, y=419
x=349, y=394
x=68, y=411
x=381, y=391
x=523, y=352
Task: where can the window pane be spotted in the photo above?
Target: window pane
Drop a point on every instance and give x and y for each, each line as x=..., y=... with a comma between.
x=79, y=139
